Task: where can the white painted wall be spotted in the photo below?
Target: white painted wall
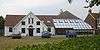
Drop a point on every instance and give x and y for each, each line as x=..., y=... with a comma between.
x=17, y=28
x=7, y=33
x=53, y=30
x=26, y=26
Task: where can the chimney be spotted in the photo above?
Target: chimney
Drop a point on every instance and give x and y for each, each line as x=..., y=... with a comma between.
x=90, y=11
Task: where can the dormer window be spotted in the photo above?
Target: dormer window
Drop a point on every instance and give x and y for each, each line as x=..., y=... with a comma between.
x=23, y=22
x=60, y=21
x=55, y=22
x=76, y=22
x=48, y=22
x=65, y=21
x=38, y=22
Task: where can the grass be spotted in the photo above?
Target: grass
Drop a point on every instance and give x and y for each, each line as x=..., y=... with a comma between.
x=6, y=43
x=79, y=43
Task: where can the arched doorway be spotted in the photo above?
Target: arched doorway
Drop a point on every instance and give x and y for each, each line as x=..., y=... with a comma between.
x=30, y=30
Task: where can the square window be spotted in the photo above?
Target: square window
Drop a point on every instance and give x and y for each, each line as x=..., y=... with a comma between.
x=38, y=30
x=38, y=22
x=60, y=21
x=49, y=29
x=10, y=29
x=23, y=30
x=23, y=22
x=55, y=22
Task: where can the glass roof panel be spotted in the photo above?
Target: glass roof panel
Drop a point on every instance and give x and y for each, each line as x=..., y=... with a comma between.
x=71, y=23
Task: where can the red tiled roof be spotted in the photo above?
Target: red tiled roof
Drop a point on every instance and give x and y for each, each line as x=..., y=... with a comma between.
x=91, y=20
x=67, y=15
x=47, y=18
x=12, y=20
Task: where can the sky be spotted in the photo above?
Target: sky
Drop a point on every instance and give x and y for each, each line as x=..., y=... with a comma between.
x=51, y=7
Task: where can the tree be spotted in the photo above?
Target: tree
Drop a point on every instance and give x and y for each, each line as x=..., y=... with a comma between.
x=1, y=22
x=91, y=3
x=1, y=25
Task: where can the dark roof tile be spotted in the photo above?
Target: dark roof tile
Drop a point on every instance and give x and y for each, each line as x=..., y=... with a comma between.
x=91, y=20
x=12, y=20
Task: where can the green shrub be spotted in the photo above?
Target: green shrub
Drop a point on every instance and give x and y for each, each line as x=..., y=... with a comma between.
x=82, y=43
x=16, y=36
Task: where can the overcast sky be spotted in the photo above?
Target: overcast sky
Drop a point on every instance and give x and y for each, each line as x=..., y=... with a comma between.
x=44, y=7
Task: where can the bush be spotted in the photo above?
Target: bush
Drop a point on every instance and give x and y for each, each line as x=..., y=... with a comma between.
x=82, y=43
x=1, y=34
x=16, y=36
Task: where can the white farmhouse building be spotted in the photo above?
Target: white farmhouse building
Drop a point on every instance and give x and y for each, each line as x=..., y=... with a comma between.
x=34, y=25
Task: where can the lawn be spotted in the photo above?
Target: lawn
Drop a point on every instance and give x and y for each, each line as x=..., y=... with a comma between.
x=7, y=43
x=57, y=42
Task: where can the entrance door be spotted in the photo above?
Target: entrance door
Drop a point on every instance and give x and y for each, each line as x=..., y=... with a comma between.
x=30, y=32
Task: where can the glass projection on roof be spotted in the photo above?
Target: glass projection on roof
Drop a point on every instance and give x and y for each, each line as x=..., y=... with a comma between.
x=71, y=23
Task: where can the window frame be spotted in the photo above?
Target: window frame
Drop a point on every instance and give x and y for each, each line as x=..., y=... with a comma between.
x=22, y=30
x=23, y=22
x=28, y=20
x=49, y=29
x=38, y=23
x=38, y=30
x=10, y=29
x=32, y=20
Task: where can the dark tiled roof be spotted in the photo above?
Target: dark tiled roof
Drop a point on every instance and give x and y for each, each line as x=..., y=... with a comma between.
x=12, y=20
x=67, y=15
x=48, y=19
x=91, y=20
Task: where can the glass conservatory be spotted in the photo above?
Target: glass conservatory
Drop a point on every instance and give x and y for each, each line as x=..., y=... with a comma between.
x=78, y=25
